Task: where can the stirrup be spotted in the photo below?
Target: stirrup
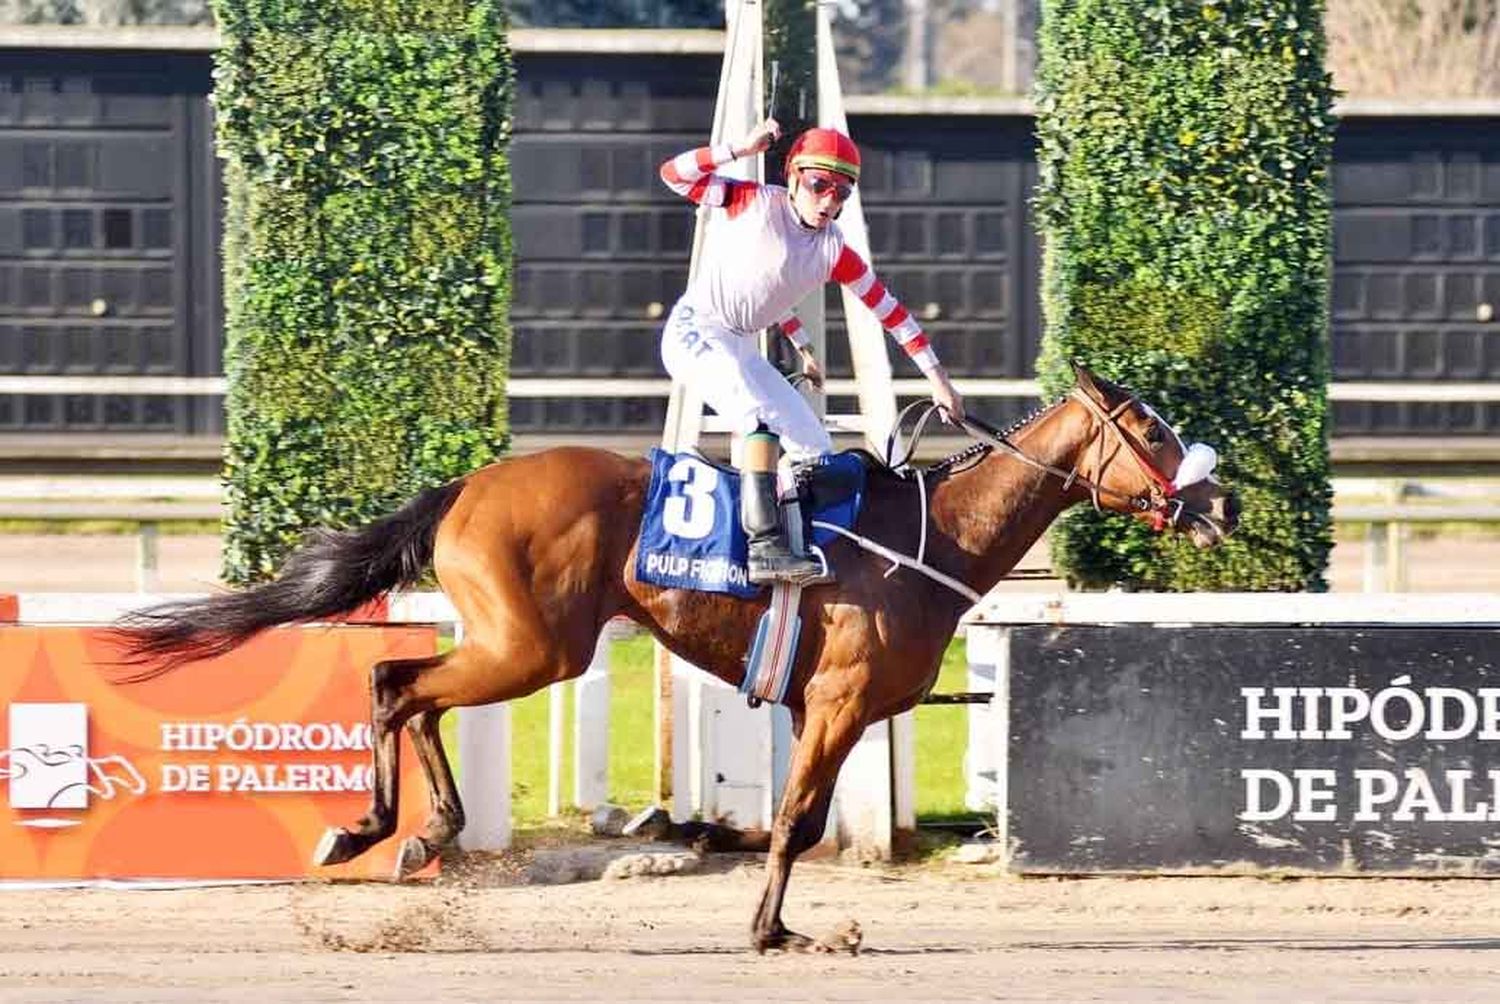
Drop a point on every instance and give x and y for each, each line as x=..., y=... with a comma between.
x=783, y=565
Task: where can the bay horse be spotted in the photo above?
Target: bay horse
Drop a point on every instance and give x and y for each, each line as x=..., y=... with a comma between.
x=537, y=553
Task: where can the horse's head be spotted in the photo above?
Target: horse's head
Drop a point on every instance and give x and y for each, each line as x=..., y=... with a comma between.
x=1138, y=464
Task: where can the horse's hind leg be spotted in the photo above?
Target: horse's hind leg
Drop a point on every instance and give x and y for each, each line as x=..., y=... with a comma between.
x=390, y=682
x=447, y=817
x=490, y=666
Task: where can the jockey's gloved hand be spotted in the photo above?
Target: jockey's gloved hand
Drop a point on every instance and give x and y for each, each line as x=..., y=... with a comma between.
x=946, y=396
x=759, y=139
x=810, y=368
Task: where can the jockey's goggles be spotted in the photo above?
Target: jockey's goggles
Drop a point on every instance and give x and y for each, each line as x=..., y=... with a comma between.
x=820, y=186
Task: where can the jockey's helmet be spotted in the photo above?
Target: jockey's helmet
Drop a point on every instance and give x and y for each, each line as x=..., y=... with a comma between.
x=828, y=149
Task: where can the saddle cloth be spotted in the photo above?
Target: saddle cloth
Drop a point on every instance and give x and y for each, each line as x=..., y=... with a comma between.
x=690, y=530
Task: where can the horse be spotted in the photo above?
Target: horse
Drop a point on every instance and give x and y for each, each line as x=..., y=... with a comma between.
x=537, y=552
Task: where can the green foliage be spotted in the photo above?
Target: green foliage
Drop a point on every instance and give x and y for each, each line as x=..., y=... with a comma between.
x=791, y=42
x=367, y=257
x=1184, y=151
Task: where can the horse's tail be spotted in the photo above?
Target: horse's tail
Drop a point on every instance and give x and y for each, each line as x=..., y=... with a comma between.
x=332, y=573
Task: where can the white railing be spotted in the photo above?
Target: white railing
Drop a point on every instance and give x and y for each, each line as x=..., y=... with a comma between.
x=590, y=387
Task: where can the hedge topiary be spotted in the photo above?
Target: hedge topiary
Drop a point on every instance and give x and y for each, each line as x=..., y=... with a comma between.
x=367, y=258
x=1184, y=153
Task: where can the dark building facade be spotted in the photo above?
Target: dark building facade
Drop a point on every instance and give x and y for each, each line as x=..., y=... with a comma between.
x=111, y=206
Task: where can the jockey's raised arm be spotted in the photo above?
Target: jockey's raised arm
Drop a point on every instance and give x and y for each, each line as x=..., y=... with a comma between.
x=691, y=175
x=855, y=274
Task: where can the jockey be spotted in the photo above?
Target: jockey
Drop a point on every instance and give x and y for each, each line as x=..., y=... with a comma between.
x=773, y=247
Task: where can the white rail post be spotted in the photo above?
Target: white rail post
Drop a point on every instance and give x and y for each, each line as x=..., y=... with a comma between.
x=484, y=772
x=591, y=728
x=863, y=801
x=979, y=753
x=995, y=646
x=557, y=696
x=147, y=578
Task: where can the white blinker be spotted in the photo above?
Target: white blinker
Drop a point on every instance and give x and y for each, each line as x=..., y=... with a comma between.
x=1197, y=464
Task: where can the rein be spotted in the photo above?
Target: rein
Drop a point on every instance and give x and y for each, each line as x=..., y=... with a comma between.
x=1160, y=502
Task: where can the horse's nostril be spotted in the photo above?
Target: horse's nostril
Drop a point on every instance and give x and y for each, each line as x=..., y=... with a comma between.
x=1228, y=507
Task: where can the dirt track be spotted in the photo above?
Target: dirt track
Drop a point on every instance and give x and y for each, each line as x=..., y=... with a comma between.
x=953, y=933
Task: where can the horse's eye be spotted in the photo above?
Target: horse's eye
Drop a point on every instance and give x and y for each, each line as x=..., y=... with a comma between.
x=1154, y=434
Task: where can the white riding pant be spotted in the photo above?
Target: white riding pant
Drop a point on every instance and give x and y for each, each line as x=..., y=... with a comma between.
x=725, y=366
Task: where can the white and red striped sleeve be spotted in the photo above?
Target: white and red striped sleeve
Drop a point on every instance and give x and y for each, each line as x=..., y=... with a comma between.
x=691, y=175
x=854, y=272
x=791, y=327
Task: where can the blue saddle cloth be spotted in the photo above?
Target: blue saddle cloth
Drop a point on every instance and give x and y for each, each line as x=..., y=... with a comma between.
x=690, y=531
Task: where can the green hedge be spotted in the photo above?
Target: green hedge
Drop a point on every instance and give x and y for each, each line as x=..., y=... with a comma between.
x=367, y=257
x=1184, y=196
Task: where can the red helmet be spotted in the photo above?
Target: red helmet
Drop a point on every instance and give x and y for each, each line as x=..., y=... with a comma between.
x=828, y=149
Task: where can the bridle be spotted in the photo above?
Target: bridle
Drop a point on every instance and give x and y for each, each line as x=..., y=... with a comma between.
x=1160, y=501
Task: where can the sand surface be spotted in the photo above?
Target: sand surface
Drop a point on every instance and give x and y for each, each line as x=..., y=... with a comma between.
x=949, y=932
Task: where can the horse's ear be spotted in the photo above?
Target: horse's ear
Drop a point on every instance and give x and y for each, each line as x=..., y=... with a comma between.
x=1084, y=378
x=1096, y=387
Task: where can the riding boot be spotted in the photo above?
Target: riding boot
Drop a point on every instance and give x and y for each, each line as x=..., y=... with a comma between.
x=771, y=555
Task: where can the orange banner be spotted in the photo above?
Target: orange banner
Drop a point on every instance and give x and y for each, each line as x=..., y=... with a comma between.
x=223, y=769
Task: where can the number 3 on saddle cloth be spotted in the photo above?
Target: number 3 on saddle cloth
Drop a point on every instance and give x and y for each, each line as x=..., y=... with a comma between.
x=691, y=539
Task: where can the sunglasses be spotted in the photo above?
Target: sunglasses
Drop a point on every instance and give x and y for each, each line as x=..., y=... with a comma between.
x=822, y=186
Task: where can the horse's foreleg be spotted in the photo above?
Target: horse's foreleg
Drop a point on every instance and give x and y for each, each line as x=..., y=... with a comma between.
x=829, y=732
x=390, y=683
x=447, y=817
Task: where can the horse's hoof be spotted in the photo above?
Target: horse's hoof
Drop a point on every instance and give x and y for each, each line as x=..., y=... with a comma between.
x=335, y=847
x=782, y=940
x=415, y=854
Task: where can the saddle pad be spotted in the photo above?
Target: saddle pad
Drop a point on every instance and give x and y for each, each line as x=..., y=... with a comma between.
x=690, y=529
x=841, y=512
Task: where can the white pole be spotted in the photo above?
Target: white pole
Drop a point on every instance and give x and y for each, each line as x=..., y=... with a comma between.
x=591, y=728
x=980, y=756
x=484, y=773
x=556, y=695
x=147, y=579
x=872, y=368
x=863, y=798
